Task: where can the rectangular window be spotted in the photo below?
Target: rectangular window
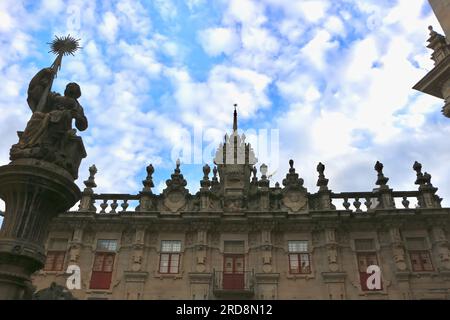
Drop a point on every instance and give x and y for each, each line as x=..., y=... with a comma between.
x=106, y=245
x=366, y=256
x=364, y=245
x=419, y=255
x=234, y=247
x=416, y=244
x=56, y=254
x=299, y=257
x=365, y=260
x=169, y=261
x=421, y=260
x=55, y=261
x=103, y=265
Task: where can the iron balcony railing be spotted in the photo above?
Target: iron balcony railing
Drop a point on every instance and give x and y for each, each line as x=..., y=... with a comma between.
x=233, y=282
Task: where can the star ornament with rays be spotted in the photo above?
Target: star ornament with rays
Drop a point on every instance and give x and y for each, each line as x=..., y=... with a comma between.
x=63, y=46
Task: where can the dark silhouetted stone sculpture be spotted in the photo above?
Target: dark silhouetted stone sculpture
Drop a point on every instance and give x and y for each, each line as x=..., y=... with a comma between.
x=54, y=292
x=39, y=182
x=49, y=134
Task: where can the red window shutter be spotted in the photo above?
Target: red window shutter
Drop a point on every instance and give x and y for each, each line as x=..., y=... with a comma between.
x=102, y=270
x=365, y=260
x=421, y=261
x=363, y=278
x=426, y=261
x=100, y=280
x=54, y=261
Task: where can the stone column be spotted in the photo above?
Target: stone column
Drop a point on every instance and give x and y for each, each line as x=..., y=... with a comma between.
x=34, y=192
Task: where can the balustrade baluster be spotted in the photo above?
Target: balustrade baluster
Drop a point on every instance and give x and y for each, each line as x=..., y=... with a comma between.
x=405, y=202
x=114, y=206
x=124, y=205
x=357, y=204
x=346, y=204
x=368, y=203
x=104, y=205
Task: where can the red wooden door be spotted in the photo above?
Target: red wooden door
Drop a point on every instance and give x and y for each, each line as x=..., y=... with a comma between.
x=233, y=274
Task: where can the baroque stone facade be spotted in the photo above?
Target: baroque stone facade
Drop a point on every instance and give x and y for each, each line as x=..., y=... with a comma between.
x=437, y=81
x=239, y=237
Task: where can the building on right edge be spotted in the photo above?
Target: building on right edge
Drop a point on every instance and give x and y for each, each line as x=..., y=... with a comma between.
x=437, y=81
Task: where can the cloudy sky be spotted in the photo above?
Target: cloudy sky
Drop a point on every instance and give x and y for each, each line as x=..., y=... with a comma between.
x=329, y=80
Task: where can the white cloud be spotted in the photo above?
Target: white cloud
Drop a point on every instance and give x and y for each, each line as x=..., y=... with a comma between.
x=134, y=16
x=247, y=12
x=211, y=102
x=52, y=6
x=219, y=40
x=109, y=26
x=316, y=49
x=313, y=10
x=7, y=22
x=292, y=29
x=193, y=4
x=335, y=26
x=166, y=9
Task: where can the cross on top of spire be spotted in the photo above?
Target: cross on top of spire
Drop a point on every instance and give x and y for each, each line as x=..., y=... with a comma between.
x=235, y=118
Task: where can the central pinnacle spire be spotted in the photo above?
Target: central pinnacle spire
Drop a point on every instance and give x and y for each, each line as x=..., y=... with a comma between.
x=235, y=119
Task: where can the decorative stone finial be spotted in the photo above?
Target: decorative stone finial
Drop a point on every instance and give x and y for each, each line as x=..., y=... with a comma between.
x=178, y=163
x=205, y=183
x=292, y=179
x=90, y=182
x=87, y=203
x=263, y=170
x=423, y=179
x=254, y=180
x=291, y=165
x=418, y=168
x=264, y=182
x=215, y=173
x=176, y=182
x=428, y=197
x=320, y=168
x=381, y=180
x=206, y=171
x=215, y=186
x=148, y=182
x=322, y=182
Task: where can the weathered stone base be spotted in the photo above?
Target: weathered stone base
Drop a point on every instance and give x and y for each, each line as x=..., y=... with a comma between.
x=34, y=192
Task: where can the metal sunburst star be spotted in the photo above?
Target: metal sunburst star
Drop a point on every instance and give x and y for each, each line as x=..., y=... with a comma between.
x=64, y=45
